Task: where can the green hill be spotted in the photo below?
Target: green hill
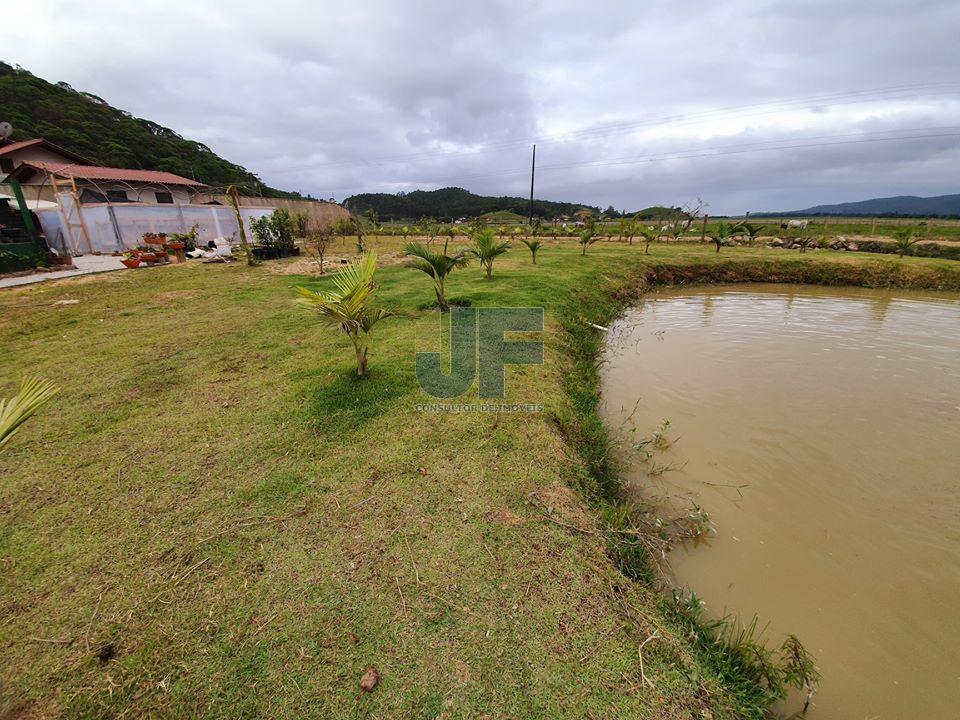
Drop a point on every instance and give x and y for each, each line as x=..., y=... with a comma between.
x=898, y=206
x=453, y=202
x=503, y=216
x=89, y=126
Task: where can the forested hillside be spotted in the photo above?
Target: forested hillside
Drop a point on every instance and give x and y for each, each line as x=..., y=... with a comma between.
x=453, y=202
x=89, y=126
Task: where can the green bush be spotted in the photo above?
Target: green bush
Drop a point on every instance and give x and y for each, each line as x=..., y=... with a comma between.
x=20, y=256
x=274, y=230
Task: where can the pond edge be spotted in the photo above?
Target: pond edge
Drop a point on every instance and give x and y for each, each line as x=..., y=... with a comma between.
x=600, y=480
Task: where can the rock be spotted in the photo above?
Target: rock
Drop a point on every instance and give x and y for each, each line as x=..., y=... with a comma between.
x=776, y=242
x=853, y=247
x=370, y=679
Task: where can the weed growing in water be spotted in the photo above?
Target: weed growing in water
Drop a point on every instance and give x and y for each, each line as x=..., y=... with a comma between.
x=742, y=649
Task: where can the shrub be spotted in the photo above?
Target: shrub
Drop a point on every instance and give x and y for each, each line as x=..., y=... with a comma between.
x=274, y=230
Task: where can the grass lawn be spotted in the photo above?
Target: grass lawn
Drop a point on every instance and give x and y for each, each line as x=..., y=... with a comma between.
x=215, y=518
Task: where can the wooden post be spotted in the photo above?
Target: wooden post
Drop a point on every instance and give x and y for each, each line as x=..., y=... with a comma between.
x=873, y=227
x=703, y=228
x=533, y=170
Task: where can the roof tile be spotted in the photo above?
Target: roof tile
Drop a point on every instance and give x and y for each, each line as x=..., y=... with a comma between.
x=94, y=172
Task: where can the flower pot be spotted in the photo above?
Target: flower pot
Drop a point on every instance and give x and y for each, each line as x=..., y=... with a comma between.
x=148, y=257
x=131, y=262
x=175, y=245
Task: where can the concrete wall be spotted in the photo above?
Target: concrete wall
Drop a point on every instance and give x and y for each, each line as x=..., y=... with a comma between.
x=320, y=212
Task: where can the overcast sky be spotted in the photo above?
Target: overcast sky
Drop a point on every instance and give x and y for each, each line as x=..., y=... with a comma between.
x=630, y=103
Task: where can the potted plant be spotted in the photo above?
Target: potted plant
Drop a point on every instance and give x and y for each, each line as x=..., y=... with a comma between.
x=184, y=241
x=130, y=259
x=154, y=238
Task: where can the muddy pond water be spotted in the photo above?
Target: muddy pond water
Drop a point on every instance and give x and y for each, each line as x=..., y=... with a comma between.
x=820, y=430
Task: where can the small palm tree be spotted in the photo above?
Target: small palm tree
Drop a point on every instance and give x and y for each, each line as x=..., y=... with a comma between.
x=751, y=230
x=22, y=406
x=904, y=239
x=534, y=245
x=587, y=238
x=437, y=266
x=348, y=307
x=631, y=230
x=448, y=233
x=720, y=236
x=487, y=248
x=233, y=197
x=648, y=236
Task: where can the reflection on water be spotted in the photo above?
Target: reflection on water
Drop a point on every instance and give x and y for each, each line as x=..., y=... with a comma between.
x=820, y=428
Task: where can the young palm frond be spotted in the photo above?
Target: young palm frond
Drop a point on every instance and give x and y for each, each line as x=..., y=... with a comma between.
x=749, y=229
x=587, y=238
x=720, y=236
x=348, y=307
x=487, y=248
x=804, y=241
x=631, y=230
x=22, y=406
x=648, y=236
x=534, y=245
x=436, y=265
x=904, y=239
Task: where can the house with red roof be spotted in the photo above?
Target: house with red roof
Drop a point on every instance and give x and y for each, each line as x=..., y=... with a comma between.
x=96, y=209
x=43, y=168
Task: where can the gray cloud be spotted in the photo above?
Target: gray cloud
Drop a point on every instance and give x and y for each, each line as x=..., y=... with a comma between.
x=380, y=96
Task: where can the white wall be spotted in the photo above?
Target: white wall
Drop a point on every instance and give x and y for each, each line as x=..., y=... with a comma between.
x=132, y=221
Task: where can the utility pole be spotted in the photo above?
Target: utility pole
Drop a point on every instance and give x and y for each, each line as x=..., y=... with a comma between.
x=533, y=170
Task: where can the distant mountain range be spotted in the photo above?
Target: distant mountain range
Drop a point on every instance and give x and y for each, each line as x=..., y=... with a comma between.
x=899, y=206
